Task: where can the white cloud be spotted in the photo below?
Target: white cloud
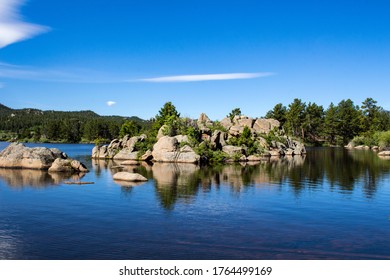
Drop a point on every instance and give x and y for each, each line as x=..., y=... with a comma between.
x=68, y=75
x=111, y=103
x=206, y=77
x=12, y=27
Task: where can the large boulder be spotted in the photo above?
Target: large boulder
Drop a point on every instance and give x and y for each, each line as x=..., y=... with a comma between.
x=147, y=156
x=245, y=121
x=166, y=150
x=126, y=154
x=233, y=150
x=204, y=120
x=16, y=155
x=384, y=154
x=226, y=123
x=165, y=144
x=161, y=131
x=204, y=123
x=236, y=130
x=182, y=138
x=264, y=126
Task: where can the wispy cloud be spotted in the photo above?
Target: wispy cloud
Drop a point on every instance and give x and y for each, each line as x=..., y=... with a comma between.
x=206, y=77
x=111, y=103
x=69, y=75
x=12, y=27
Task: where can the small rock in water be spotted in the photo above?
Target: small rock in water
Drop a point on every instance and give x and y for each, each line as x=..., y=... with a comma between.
x=130, y=177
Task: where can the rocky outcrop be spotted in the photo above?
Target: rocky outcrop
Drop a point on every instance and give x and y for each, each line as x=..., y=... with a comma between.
x=17, y=155
x=212, y=137
x=119, y=149
x=265, y=125
x=167, y=150
x=233, y=150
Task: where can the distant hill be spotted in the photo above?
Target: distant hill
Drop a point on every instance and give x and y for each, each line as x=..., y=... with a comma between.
x=52, y=125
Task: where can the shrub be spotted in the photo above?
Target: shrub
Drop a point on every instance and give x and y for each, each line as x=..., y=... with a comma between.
x=383, y=138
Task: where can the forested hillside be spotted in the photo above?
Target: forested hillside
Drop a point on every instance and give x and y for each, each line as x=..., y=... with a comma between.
x=60, y=126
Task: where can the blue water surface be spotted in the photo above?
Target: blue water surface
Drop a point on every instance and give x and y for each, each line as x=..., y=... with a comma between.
x=331, y=204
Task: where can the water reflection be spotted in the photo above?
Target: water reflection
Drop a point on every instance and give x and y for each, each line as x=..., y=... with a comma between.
x=20, y=178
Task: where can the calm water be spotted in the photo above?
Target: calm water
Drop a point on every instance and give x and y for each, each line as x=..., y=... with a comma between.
x=332, y=204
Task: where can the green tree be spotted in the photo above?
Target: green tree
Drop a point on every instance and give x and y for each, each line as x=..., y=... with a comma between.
x=52, y=130
x=129, y=127
x=70, y=130
x=313, y=121
x=330, y=128
x=278, y=113
x=371, y=115
x=233, y=113
x=348, y=120
x=166, y=114
x=295, y=117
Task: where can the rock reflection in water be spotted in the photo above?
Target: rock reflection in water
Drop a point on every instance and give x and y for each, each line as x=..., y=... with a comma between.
x=336, y=169
x=19, y=178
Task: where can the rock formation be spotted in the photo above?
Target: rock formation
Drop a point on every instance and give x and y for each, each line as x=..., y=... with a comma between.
x=218, y=136
x=17, y=155
x=167, y=150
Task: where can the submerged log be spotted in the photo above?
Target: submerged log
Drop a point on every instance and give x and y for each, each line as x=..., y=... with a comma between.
x=78, y=183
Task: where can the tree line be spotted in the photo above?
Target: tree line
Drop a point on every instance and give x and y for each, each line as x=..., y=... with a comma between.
x=336, y=125
x=57, y=126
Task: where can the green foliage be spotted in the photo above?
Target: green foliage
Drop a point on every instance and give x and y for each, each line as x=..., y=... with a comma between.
x=379, y=138
x=247, y=140
x=348, y=119
x=278, y=113
x=130, y=128
x=272, y=136
x=217, y=126
x=167, y=114
x=57, y=126
x=143, y=146
x=382, y=138
x=295, y=117
x=313, y=121
x=205, y=150
x=330, y=130
x=233, y=113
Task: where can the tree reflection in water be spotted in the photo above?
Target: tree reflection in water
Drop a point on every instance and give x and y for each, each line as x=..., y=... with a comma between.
x=340, y=169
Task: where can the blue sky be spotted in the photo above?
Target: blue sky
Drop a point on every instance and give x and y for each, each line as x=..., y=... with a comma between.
x=204, y=56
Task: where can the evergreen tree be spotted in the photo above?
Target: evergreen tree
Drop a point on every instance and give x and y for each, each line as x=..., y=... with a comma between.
x=166, y=114
x=371, y=112
x=348, y=120
x=294, y=117
x=129, y=127
x=233, y=113
x=313, y=121
x=278, y=113
x=330, y=128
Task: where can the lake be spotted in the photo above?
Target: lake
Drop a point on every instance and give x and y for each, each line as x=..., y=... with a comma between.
x=330, y=204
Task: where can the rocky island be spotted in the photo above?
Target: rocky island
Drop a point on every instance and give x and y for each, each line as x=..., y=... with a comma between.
x=233, y=139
